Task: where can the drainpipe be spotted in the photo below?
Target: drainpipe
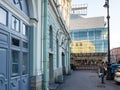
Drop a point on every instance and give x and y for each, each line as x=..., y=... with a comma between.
x=45, y=57
x=69, y=40
x=69, y=67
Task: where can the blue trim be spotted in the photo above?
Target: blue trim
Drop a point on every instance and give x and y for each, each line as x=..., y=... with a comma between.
x=5, y=42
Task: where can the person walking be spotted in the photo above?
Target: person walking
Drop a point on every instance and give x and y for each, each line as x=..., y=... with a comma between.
x=102, y=72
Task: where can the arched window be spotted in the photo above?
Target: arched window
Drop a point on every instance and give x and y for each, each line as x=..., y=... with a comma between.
x=22, y=5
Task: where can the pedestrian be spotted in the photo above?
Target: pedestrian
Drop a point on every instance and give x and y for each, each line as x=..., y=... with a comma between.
x=102, y=72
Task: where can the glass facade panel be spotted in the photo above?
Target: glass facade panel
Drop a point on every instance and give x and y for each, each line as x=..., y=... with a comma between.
x=3, y=16
x=106, y=45
x=93, y=40
x=98, y=46
x=76, y=35
x=105, y=37
x=15, y=61
x=83, y=35
x=97, y=34
x=91, y=35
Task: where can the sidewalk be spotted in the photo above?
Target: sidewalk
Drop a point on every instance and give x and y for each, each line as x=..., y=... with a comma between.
x=86, y=80
x=57, y=85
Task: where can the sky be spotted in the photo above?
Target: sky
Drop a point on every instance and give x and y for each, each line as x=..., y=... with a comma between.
x=95, y=9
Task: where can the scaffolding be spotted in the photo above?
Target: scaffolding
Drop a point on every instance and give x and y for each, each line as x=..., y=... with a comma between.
x=80, y=9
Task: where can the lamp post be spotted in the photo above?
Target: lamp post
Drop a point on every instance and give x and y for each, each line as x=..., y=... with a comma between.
x=106, y=5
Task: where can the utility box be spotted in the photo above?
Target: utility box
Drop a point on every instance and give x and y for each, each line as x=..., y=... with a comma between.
x=60, y=79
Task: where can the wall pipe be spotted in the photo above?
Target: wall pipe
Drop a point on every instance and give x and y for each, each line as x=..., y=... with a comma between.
x=69, y=66
x=45, y=57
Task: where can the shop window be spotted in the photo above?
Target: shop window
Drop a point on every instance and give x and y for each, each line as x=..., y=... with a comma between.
x=15, y=61
x=3, y=16
x=15, y=42
x=25, y=63
x=15, y=24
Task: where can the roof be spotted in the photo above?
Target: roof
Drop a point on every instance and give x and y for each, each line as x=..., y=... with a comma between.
x=75, y=16
x=87, y=23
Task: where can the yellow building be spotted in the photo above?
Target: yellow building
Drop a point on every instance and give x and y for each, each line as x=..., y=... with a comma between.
x=64, y=7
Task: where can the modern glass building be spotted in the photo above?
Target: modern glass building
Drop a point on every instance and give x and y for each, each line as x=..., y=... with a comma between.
x=89, y=35
x=89, y=42
x=93, y=40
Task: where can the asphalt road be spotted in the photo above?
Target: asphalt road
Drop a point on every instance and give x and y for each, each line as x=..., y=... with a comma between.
x=86, y=80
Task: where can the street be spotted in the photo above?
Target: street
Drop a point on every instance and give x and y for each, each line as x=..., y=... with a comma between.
x=86, y=80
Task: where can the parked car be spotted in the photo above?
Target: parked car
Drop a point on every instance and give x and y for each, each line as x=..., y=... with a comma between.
x=113, y=68
x=117, y=75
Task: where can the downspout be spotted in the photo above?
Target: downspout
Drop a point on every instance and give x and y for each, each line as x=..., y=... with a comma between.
x=69, y=40
x=69, y=59
x=45, y=61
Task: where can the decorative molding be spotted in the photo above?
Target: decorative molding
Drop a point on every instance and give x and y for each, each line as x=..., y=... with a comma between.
x=2, y=81
x=33, y=20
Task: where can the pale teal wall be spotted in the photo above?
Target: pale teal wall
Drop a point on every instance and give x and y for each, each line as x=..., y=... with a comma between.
x=53, y=20
x=36, y=38
x=32, y=30
x=36, y=72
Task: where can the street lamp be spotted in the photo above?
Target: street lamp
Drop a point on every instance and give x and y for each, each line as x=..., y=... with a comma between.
x=106, y=5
